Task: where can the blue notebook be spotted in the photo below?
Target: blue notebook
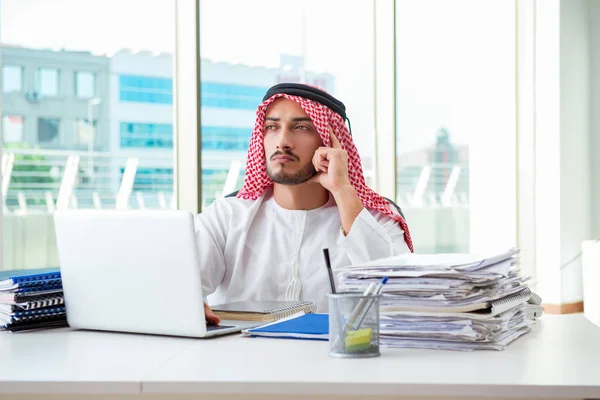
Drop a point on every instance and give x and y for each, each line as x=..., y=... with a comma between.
x=307, y=326
x=23, y=277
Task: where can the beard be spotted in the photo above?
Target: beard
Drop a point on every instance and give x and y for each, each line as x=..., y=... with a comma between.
x=281, y=177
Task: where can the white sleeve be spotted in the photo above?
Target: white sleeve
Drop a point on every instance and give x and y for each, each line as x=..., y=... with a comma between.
x=211, y=234
x=373, y=235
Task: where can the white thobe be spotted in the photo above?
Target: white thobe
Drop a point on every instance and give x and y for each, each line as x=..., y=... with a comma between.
x=258, y=250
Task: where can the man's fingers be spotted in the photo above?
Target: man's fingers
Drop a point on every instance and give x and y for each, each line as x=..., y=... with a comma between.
x=335, y=143
x=211, y=317
x=315, y=179
x=315, y=160
x=320, y=159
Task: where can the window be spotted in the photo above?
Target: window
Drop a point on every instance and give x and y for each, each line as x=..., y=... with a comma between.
x=455, y=123
x=153, y=179
x=144, y=89
x=48, y=129
x=237, y=70
x=12, y=129
x=85, y=84
x=146, y=135
x=225, y=138
x=231, y=96
x=126, y=94
x=46, y=81
x=12, y=78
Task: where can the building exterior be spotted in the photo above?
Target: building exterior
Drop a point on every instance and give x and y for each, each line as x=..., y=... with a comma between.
x=49, y=96
x=142, y=114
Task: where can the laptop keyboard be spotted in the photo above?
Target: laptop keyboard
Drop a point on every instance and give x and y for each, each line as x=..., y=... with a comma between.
x=217, y=327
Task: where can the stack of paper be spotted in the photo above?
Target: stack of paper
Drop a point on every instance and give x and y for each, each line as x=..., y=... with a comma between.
x=31, y=299
x=447, y=301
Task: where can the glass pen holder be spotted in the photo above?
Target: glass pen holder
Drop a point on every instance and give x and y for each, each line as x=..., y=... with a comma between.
x=354, y=325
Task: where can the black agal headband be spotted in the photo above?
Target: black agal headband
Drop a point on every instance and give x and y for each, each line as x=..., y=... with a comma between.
x=311, y=93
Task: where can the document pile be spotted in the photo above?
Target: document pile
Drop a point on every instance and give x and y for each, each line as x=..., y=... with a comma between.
x=31, y=299
x=447, y=301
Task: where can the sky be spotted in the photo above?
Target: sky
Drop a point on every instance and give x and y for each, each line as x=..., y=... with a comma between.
x=450, y=64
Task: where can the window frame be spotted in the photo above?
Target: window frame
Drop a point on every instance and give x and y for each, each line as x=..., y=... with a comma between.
x=186, y=106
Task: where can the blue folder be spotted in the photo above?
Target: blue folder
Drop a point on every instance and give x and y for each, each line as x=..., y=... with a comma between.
x=308, y=326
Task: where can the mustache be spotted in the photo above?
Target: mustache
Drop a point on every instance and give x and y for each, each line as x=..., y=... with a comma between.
x=285, y=153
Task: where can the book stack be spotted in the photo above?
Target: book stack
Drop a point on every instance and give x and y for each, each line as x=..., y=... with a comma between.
x=31, y=299
x=447, y=301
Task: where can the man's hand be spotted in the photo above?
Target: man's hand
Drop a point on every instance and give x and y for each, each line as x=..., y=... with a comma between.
x=331, y=164
x=211, y=317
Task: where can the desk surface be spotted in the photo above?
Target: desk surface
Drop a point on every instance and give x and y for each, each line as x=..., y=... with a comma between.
x=560, y=358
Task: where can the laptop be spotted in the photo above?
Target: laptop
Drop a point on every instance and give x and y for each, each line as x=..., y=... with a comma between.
x=134, y=271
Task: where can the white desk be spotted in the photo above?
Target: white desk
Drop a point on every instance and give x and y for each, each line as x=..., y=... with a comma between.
x=559, y=359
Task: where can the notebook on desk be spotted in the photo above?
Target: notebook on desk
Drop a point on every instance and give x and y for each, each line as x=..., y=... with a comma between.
x=307, y=326
x=484, y=310
x=13, y=279
x=262, y=311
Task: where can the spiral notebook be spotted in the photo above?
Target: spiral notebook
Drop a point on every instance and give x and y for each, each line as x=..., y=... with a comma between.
x=482, y=310
x=28, y=287
x=13, y=278
x=13, y=298
x=41, y=321
x=40, y=302
x=20, y=317
x=262, y=311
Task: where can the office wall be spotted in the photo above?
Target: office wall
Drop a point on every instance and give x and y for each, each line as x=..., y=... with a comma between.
x=575, y=165
x=563, y=177
x=594, y=149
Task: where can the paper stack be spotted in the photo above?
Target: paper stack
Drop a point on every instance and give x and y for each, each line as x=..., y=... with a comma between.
x=31, y=299
x=447, y=301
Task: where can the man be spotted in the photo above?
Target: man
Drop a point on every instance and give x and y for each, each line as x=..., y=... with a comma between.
x=304, y=191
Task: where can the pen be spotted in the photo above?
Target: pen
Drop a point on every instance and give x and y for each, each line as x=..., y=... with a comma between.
x=360, y=306
x=333, y=291
x=329, y=271
x=366, y=309
x=355, y=314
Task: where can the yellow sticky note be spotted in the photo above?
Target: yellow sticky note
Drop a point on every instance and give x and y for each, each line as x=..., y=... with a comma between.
x=358, y=340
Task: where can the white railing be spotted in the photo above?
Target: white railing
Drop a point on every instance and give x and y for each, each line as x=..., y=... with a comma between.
x=434, y=198
x=45, y=180
x=433, y=186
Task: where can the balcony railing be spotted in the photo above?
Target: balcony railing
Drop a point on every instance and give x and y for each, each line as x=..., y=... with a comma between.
x=44, y=180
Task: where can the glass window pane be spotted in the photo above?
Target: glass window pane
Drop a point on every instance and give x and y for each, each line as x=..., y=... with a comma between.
x=47, y=81
x=78, y=78
x=12, y=129
x=85, y=84
x=12, y=78
x=446, y=78
x=48, y=129
x=301, y=45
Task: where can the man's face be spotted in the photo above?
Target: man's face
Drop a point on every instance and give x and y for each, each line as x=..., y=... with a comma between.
x=290, y=143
